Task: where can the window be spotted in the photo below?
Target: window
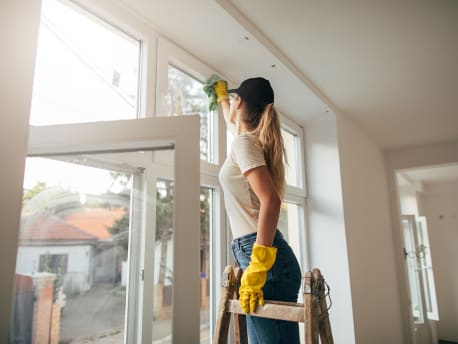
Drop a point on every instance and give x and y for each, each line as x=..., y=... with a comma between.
x=163, y=260
x=289, y=224
x=293, y=170
x=74, y=240
x=186, y=97
x=86, y=70
x=54, y=263
x=89, y=71
x=206, y=273
x=163, y=279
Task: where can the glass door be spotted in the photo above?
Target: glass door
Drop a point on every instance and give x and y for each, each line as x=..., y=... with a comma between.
x=79, y=226
x=86, y=262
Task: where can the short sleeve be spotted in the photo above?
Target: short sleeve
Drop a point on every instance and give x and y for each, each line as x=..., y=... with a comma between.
x=247, y=153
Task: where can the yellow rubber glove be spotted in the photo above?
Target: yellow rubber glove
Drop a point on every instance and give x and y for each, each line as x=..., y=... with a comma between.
x=254, y=277
x=220, y=88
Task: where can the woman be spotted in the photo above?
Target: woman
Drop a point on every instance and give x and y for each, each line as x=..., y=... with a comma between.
x=253, y=182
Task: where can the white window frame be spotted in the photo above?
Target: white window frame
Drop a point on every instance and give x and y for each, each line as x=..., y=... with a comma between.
x=298, y=194
x=169, y=53
x=123, y=18
x=293, y=128
x=156, y=54
x=148, y=134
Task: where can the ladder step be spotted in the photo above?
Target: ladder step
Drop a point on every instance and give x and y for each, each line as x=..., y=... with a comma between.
x=273, y=310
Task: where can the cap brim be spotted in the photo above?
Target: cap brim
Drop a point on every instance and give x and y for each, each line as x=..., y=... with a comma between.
x=234, y=90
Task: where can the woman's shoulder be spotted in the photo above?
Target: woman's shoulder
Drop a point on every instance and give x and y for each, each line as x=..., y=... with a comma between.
x=247, y=139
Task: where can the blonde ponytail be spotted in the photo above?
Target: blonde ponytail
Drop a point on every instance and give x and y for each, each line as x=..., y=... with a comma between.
x=269, y=134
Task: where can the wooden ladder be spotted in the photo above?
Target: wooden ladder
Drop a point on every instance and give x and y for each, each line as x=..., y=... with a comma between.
x=313, y=312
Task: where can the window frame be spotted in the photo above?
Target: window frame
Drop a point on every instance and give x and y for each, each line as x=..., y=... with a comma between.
x=170, y=54
x=293, y=128
x=117, y=18
x=156, y=54
x=142, y=135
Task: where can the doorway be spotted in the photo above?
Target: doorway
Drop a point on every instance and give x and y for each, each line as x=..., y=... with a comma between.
x=428, y=199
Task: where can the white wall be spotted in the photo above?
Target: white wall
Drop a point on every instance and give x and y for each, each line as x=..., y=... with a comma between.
x=327, y=242
x=371, y=255
x=79, y=258
x=440, y=206
x=18, y=41
x=78, y=277
x=408, y=195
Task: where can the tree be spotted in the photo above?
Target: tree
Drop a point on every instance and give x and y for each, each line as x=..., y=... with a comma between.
x=205, y=218
x=186, y=96
x=120, y=232
x=120, y=227
x=164, y=222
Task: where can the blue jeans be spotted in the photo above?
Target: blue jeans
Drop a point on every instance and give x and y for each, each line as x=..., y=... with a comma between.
x=283, y=284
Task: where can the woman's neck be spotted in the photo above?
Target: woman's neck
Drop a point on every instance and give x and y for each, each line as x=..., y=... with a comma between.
x=243, y=127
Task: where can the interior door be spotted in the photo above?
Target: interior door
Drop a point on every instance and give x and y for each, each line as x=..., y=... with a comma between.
x=417, y=258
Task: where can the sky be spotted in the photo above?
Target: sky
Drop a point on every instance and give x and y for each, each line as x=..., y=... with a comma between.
x=74, y=177
x=85, y=71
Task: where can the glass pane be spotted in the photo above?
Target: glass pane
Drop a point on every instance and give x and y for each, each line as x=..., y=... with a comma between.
x=185, y=97
x=411, y=263
x=163, y=260
x=86, y=70
x=427, y=269
x=71, y=269
x=206, y=219
x=163, y=272
x=292, y=169
x=288, y=224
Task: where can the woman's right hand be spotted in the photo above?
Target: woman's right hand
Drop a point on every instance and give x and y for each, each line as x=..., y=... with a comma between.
x=220, y=88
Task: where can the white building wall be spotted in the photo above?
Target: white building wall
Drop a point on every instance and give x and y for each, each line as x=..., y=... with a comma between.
x=440, y=206
x=78, y=277
x=371, y=254
x=28, y=258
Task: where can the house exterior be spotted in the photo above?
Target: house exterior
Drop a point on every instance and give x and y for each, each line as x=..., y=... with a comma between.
x=77, y=247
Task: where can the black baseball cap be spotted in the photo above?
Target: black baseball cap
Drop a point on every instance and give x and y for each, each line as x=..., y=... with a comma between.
x=255, y=91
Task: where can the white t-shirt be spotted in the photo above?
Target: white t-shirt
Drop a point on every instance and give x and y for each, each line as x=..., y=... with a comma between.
x=242, y=204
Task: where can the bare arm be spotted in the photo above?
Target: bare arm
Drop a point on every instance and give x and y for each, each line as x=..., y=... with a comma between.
x=269, y=212
x=226, y=110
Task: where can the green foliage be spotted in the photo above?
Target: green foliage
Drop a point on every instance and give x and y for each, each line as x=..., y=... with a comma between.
x=164, y=209
x=120, y=232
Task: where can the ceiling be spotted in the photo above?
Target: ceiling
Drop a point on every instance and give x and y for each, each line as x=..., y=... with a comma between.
x=390, y=66
x=431, y=174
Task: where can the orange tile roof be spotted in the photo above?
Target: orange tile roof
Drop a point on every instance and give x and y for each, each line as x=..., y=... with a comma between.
x=95, y=221
x=87, y=224
x=51, y=227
